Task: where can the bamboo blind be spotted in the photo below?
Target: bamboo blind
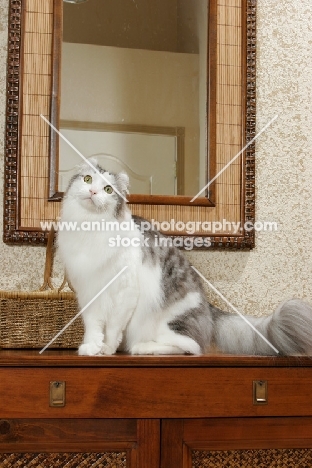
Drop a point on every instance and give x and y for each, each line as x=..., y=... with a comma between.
x=36, y=92
x=68, y=459
x=36, y=95
x=286, y=458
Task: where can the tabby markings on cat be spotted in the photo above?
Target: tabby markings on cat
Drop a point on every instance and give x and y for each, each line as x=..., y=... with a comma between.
x=158, y=305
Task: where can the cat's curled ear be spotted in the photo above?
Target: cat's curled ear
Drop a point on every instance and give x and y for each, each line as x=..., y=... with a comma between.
x=86, y=166
x=93, y=161
x=123, y=182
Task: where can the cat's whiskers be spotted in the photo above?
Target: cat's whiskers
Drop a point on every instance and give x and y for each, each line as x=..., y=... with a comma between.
x=102, y=207
x=83, y=195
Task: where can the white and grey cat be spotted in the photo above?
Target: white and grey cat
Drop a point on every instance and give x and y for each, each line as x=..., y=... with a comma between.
x=157, y=305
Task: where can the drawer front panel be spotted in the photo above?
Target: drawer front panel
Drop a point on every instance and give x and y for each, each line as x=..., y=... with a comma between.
x=154, y=392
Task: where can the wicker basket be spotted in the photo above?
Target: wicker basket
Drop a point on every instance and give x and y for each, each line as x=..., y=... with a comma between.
x=33, y=319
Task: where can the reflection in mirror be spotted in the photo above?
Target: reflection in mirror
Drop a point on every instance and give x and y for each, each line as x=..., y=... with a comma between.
x=149, y=155
x=138, y=64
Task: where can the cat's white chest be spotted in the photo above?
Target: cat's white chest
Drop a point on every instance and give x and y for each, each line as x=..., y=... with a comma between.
x=90, y=259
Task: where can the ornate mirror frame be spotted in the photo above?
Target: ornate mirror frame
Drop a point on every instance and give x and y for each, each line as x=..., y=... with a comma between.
x=32, y=68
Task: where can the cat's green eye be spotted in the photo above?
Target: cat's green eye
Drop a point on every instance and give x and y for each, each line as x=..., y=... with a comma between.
x=87, y=179
x=108, y=189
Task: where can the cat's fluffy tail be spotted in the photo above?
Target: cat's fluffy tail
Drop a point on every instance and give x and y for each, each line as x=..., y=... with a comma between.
x=288, y=330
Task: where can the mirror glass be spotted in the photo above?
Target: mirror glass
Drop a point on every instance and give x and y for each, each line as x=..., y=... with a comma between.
x=134, y=92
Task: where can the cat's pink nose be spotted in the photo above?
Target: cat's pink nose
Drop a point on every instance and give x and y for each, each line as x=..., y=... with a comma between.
x=93, y=191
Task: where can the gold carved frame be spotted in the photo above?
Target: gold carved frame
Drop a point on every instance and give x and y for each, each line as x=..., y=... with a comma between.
x=231, y=110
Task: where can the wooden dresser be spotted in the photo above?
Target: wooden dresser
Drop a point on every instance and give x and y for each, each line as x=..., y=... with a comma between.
x=61, y=410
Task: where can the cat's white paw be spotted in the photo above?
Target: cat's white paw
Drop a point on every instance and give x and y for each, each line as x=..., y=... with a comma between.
x=152, y=347
x=142, y=348
x=93, y=349
x=107, y=350
x=89, y=349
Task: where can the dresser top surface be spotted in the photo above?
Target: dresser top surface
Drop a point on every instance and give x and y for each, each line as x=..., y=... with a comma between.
x=69, y=358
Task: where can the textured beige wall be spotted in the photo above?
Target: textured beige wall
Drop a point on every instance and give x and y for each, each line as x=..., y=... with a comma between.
x=281, y=265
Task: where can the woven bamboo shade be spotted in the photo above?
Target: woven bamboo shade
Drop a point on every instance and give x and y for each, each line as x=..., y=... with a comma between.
x=286, y=458
x=36, y=90
x=60, y=460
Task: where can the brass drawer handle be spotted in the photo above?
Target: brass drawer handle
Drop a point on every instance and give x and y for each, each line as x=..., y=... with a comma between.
x=260, y=392
x=57, y=393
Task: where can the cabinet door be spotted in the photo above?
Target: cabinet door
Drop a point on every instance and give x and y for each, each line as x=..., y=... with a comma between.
x=236, y=442
x=79, y=443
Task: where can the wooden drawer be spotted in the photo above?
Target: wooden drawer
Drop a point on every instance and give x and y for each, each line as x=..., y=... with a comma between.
x=151, y=392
